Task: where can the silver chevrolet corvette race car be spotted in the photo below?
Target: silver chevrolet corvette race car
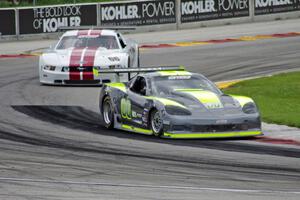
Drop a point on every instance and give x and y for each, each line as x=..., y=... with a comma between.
x=173, y=103
x=79, y=54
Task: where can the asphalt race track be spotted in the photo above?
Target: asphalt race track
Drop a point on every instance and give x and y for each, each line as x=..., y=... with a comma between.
x=52, y=144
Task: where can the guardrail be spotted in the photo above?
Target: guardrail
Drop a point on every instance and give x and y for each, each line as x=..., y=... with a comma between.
x=147, y=15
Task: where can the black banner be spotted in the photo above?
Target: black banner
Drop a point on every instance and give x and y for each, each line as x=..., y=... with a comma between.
x=263, y=7
x=138, y=13
x=7, y=22
x=48, y=19
x=202, y=10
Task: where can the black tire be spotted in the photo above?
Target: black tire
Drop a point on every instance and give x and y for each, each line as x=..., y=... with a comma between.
x=108, y=113
x=156, y=123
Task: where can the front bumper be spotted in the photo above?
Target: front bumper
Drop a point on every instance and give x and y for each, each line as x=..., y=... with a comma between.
x=63, y=78
x=216, y=127
x=212, y=135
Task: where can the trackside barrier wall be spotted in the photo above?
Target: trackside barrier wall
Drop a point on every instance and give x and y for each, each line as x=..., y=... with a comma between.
x=48, y=19
x=146, y=15
x=213, y=12
x=278, y=9
x=8, y=22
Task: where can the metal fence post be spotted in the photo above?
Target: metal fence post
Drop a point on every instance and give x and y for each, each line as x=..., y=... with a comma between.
x=252, y=10
x=178, y=14
x=17, y=23
x=98, y=14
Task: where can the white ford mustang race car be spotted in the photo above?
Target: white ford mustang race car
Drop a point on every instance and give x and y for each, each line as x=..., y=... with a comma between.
x=79, y=54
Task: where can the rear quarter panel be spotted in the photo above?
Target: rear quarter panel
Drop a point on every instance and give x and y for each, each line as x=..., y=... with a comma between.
x=115, y=95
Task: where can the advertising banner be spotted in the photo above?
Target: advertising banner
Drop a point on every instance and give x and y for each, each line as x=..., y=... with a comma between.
x=202, y=10
x=138, y=13
x=48, y=19
x=7, y=22
x=263, y=7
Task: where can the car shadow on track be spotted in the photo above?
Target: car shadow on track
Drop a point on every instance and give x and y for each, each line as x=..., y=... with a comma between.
x=76, y=117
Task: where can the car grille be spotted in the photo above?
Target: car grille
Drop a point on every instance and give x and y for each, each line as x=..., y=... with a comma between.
x=80, y=69
x=211, y=128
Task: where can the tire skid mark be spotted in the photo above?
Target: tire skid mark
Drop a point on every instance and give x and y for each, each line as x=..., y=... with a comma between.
x=106, y=184
x=209, y=164
x=16, y=81
x=72, y=117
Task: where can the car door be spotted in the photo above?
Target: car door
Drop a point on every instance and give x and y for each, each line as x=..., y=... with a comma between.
x=135, y=103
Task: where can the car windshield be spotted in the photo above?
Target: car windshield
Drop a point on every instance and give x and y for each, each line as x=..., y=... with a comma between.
x=165, y=85
x=104, y=41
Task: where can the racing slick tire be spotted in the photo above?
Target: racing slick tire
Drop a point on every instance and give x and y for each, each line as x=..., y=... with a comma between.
x=156, y=123
x=108, y=113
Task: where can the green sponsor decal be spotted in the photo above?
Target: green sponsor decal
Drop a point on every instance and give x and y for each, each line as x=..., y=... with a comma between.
x=136, y=129
x=120, y=86
x=213, y=135
x=126, y=111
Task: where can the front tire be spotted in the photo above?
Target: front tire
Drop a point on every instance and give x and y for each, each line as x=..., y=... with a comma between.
x=156, y=123
x=108, y=113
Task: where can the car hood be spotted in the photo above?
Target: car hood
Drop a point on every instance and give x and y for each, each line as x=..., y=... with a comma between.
x=199, y=101
x=72, y=56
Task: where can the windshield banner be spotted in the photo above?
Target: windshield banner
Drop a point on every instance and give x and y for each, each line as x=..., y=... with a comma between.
x=7, y=22
x=48, y=19
x=202, y=10
x=138, y=13
x=263, y=7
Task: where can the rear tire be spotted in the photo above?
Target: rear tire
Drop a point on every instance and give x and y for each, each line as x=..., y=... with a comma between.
x=156, y=123
x=108, y=113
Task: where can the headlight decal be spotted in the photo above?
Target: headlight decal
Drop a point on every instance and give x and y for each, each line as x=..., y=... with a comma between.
x=175, y=110
x=65, y=69
x=249, y=108
x=49, y=67
x=242, y=99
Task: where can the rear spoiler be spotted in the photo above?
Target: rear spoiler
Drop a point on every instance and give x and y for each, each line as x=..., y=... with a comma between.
x=68, y=28
x=141, y=70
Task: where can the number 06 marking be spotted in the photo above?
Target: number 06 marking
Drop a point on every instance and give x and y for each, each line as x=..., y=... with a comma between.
x=125, y=108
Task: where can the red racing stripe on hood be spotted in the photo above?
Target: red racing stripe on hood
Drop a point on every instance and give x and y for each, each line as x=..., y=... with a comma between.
x=82, y=32
x=75, y=58
x=89, y=32
x=88, y=61
x=95, y=32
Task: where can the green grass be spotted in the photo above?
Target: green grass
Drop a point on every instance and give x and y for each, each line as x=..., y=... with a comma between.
x=278, y=97
x=6, y=4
